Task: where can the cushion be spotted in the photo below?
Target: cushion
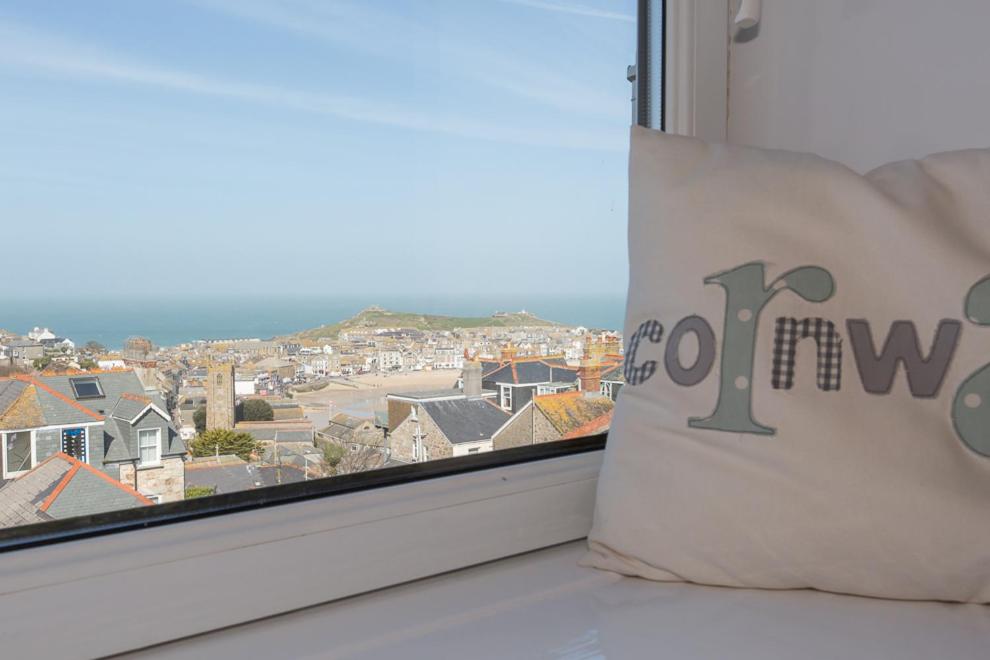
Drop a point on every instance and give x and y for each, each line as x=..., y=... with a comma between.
x=808, y=374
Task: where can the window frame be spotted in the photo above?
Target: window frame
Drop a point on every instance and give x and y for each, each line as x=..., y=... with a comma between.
x=158, y=448
x=456, y=512
x=101, y=394
x=32, y=449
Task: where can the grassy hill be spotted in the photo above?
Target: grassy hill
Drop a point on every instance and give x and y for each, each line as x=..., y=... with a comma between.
x=375, y=317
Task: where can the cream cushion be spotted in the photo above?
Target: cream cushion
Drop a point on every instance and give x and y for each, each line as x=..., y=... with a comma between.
x=808, y=396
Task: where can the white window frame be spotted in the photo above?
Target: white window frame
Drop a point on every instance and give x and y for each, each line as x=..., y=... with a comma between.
x=158, y=448
x=34, y=453
x=505, y=396
x=452, y=522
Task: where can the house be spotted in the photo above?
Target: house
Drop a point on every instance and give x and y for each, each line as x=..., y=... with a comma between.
x=553, y=417
x=352, y=433
x=446, y=427
x=401, y=404
x=24, y=352
x=520, y=379
x=102, y=419
x=64, y=487
x=39, y=334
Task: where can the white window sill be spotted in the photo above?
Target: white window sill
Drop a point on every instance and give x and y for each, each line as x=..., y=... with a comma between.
x=204, y=572
x=150, y=466
x=543, y=605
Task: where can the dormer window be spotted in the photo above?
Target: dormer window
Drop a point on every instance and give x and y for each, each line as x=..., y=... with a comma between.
x=150, y=445
x=87, y=387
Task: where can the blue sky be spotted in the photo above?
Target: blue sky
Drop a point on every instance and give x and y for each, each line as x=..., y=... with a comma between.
x=314, y=146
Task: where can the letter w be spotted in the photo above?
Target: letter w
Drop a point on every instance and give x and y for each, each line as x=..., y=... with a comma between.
x=924, y=375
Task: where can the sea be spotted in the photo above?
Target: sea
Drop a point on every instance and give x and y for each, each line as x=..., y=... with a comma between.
x=170, y=321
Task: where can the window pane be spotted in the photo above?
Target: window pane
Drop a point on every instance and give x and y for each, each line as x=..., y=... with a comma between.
x=373, y=233
x=18, y=452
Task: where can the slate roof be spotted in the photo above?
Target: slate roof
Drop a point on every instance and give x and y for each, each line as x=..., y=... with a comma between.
x=531, y=372
x=9, y=391
x=466, y=420
x=62, y=487
x=244, y=476
x=427, y=394
x=570, y=410
x=342, y=426
x=19, y=406
x=295, y=431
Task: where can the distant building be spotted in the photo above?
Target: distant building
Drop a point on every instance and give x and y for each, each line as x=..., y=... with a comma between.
x=23, y=352
x=39, y=334
x=352, y=433
x=220, y=396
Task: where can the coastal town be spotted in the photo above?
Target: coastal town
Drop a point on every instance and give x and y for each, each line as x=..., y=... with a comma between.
x=87, y=429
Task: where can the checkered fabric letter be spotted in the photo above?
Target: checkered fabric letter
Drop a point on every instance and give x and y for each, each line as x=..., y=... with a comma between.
x=635, y=375
x=787, y=333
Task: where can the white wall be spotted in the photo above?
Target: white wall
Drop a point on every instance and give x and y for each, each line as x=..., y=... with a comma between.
x=863, y=81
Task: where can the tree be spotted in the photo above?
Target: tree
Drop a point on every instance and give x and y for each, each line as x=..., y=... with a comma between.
x=42, y=363
x=199, y=419
x=224, y=441
x=193, y=492
x=94, y=348
x=88, y=364
x=257, y=410
x=340, y=460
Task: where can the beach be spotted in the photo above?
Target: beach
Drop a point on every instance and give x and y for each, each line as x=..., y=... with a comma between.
x=363, y=395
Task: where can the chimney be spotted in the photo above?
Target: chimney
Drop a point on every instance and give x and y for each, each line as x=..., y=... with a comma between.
x=508, y=353
x=472, y=379
x=589, y=371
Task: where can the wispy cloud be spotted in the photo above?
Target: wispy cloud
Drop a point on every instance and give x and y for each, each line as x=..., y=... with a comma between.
x=26, y=50
x=567, y=8
x=396, y=36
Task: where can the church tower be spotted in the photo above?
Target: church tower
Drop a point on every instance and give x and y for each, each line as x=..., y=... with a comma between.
x=220, y=396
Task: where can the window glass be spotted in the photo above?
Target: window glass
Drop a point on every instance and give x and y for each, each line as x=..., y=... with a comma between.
x=86, y=388
x=320, y=238
x=148, y=440
x=17, y=452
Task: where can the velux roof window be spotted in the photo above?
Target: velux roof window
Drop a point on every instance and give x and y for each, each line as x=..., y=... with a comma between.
x=87, y=387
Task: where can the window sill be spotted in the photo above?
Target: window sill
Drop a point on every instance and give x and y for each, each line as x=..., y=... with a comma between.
x=453, y=522
x=150, y=466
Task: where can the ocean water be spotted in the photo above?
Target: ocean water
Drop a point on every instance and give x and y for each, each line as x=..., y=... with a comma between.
x=170, y=321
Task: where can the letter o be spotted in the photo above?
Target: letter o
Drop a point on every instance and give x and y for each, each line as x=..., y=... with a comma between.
x=706, y=351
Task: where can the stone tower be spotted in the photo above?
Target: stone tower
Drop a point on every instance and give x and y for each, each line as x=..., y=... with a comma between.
x=220, y=396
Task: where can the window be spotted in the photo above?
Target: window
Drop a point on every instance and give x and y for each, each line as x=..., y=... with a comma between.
x=86, y=388
x=74, y=443
x=18, y=453
x=465, y=159
x=149, y=442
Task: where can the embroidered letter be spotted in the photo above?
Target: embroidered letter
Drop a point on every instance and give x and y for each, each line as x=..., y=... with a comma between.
x=636, y=375
x=971, y=405
x=787, y=333
x=745, y=297
x=706, y=351
x=924, y=375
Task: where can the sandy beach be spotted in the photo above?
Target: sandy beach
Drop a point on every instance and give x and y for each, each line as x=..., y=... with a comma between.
x=362, y=395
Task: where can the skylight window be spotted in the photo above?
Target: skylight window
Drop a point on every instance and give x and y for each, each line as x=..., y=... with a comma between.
x=86, y=388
